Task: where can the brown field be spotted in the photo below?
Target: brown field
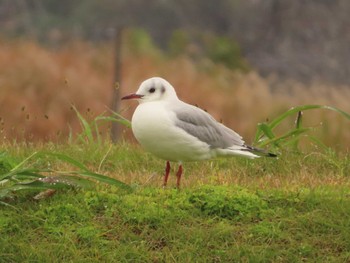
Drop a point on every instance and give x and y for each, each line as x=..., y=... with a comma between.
x=38, y=85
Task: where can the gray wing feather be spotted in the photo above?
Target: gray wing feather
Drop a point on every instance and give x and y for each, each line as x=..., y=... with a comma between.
x=203, y=126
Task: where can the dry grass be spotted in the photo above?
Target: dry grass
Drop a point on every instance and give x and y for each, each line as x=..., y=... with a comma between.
x=248, y=174
x=38, y=85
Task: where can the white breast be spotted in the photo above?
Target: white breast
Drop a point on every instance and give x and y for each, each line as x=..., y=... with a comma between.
x=154, y=128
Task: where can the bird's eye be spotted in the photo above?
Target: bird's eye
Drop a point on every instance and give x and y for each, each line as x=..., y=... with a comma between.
x=151, y=90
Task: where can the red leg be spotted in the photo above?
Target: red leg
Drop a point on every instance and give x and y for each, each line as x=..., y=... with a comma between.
x=178, y=176
x=167, y=171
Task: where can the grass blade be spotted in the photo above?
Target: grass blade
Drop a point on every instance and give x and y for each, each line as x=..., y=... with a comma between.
x=67, y=159
x=105, y=179
x=98, y=136
x=24, y=161
x=86, y=127
x=298, y=123
x=266, y=130
x=87, y=173
x=71, y=180
x=294, y=110
x=21, y=172
x=37, y=184
x=298, y=120
x=119, y=118
x=263, y=130
x=277, y=140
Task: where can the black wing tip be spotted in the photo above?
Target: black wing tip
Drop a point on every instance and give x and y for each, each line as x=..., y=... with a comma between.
x=271, y=155
x=261, y=151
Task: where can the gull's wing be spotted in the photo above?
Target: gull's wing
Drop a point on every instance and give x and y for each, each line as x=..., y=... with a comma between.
x=203, y=126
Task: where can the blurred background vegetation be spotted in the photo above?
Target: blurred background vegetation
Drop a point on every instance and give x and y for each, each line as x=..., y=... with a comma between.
x=298, y=39
x=244, y=61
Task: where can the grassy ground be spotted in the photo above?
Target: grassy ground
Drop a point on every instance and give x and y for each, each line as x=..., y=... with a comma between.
x=292, y=209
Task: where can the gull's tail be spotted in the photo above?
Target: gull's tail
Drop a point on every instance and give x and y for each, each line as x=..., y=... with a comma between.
x=258, y=151
x=246, y=151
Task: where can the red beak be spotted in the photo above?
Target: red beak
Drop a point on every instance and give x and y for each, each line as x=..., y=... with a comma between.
x=132, y=96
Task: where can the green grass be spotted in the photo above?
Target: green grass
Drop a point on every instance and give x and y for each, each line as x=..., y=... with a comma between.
x=92, y=201
x=292, y=209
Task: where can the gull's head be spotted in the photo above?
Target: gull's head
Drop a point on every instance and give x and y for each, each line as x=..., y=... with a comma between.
x=153, y=89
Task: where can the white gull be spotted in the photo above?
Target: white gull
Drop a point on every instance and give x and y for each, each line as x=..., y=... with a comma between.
x=179, y=132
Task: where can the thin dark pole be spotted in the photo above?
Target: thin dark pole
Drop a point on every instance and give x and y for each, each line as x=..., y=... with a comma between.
x=117, y=80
